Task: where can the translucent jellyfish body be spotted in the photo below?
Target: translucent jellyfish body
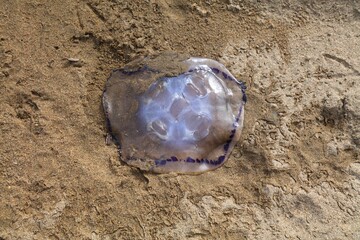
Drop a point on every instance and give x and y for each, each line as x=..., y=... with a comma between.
x=170, y=113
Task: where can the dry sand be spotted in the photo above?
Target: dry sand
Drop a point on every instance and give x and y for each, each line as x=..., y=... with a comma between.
x=295, y=174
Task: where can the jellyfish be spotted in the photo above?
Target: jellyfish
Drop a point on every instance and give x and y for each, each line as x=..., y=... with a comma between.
x=173, y=113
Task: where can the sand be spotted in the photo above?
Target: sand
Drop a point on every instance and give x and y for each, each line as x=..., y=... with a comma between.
x=295, y=173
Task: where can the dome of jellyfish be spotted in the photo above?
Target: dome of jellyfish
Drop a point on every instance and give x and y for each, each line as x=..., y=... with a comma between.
x=173, y=113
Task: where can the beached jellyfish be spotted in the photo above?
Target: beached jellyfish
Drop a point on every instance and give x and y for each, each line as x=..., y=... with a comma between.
x=171, y=113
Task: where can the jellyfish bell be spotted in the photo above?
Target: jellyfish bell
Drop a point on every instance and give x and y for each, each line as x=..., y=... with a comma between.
x=173, y=113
